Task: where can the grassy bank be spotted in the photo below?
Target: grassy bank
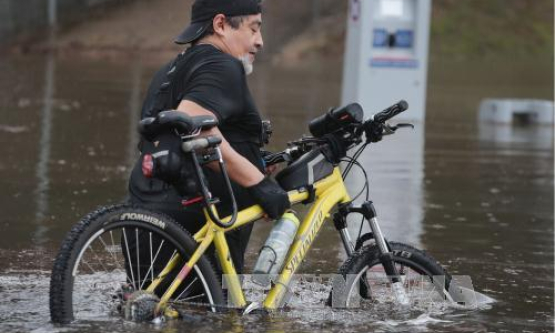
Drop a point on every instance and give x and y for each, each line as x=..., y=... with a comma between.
x=460, y=30
x=492, y=28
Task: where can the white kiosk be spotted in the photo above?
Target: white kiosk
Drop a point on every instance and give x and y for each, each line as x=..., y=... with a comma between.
x=386, y=55
x=386, y=60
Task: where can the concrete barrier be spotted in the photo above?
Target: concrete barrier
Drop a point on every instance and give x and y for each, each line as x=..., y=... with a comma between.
x=509, y=111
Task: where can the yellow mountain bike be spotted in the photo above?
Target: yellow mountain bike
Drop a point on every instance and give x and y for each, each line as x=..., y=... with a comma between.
x=142, y=264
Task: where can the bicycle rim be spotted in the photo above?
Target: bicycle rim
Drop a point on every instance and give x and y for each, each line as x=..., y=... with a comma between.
x=119, y=260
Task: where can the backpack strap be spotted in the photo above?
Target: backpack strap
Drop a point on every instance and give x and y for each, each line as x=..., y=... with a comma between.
x=164, y=98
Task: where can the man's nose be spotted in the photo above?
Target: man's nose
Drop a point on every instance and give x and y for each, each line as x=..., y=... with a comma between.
x=259, y=42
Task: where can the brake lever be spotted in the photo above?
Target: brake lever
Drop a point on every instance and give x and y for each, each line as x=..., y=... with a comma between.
x=401, y=125
x=390, y=129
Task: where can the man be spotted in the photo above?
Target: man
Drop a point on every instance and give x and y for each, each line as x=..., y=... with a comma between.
x=209, y=78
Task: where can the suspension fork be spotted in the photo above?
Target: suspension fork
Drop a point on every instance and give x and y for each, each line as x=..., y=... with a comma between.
x=340, y=223
x=386, y=256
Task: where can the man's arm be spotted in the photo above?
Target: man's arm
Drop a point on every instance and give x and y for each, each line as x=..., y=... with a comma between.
x=239, y=168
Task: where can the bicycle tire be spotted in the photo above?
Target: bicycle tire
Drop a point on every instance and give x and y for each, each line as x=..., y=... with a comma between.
x=80, y=245
x=361, y=263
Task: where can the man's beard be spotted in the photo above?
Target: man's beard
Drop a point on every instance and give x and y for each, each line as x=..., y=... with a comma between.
x=247, y=64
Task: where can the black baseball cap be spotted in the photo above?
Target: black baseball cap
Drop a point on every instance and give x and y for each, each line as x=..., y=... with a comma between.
x=204, y=11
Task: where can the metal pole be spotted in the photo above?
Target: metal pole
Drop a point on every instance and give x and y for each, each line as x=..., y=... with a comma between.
x=315, y=11
x=52, y=12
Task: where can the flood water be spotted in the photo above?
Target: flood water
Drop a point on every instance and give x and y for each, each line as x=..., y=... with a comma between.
x=479, y=198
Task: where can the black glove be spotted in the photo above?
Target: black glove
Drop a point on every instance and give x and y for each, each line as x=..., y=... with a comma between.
x=273, y=199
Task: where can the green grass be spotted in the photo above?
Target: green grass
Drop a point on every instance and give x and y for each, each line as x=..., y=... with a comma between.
x=466, y=29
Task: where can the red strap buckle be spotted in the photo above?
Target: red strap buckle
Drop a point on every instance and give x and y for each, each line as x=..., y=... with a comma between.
x=148, y=166
x=191, y=201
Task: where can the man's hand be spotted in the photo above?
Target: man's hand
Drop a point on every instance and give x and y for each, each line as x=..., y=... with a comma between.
x=271, y=169
x=273, y=199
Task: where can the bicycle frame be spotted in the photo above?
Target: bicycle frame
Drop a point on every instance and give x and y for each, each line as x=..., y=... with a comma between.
x=329, y=192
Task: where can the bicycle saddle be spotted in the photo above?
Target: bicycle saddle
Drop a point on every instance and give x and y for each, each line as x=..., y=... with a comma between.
x=151, y=127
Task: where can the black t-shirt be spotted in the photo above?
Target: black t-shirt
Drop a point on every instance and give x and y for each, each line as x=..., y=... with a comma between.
x=217, y=82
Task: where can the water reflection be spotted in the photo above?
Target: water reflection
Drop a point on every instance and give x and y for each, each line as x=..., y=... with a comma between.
x=489, y=215
x=532, y=136
x=45, y=142
x=135, y=105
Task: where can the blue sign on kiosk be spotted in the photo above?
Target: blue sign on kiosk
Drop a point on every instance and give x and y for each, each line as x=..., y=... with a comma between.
x=380, y=38
x=399, y=38
x=404, y=38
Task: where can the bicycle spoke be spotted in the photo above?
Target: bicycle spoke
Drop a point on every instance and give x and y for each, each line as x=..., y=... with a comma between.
x=187, y=288
x=138, y=260
x=151, y=268
x=151, y=262
x=114, y=245
x=109, y=251
x=90, y=267
x=190, y=298
x=97, y=257
x=173, y=255
x=129, y=258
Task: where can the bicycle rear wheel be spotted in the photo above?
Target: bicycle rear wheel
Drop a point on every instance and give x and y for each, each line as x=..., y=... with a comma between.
x=113, y=253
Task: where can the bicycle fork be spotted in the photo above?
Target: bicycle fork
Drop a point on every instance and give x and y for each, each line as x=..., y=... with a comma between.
x=386, y=256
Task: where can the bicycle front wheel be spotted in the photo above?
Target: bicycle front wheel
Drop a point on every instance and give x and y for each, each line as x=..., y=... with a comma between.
x=115, y=252
x=366, y=282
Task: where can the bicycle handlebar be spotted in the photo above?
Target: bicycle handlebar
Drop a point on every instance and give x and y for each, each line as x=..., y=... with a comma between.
x=373, y=128
x=390, y=112
x=288, y=155
x=201, y=143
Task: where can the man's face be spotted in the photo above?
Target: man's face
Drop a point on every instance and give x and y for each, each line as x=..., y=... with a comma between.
x=246, y=41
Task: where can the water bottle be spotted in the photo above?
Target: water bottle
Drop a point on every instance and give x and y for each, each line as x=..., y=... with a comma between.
x=273, y=253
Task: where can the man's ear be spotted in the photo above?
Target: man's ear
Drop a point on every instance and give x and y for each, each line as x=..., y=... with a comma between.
x=218, y=23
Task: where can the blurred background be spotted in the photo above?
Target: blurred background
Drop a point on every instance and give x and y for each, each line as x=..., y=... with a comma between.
x=478, y=197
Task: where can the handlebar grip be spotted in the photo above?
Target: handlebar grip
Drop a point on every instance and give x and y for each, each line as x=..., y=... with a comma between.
x=200, y=143
x=390, y=112
x=273, y=159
